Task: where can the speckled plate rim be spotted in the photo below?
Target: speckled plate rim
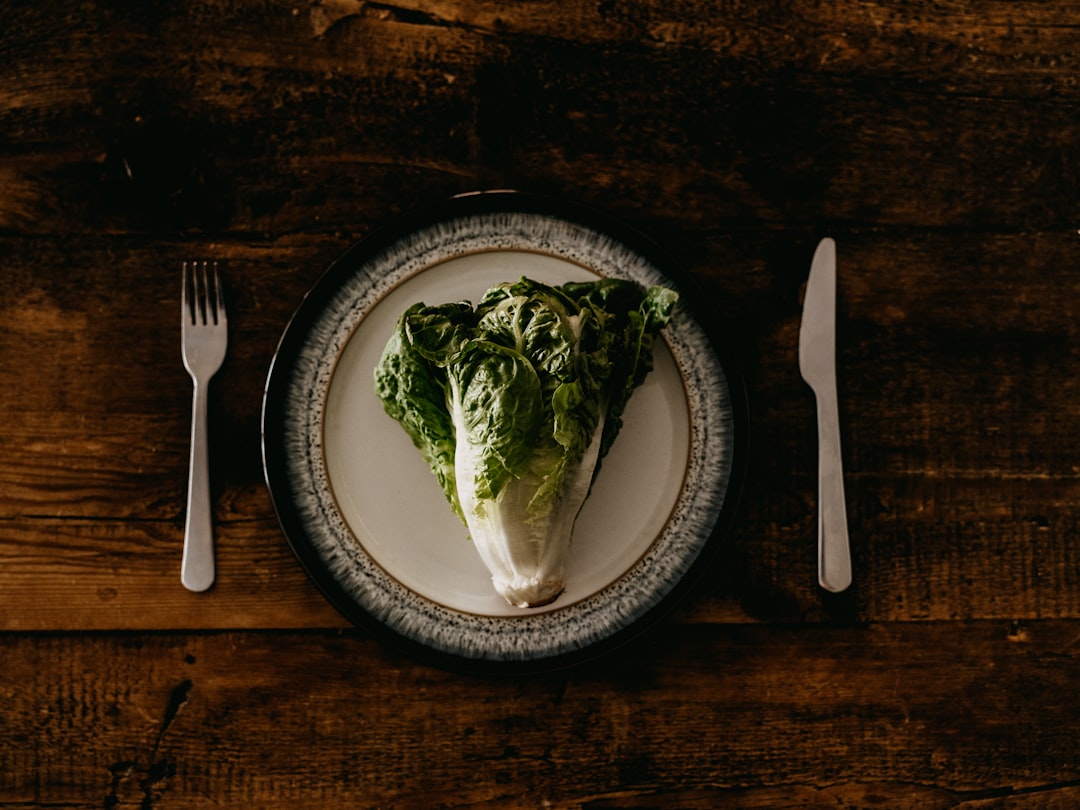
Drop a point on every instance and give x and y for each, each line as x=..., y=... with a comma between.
x=295, y=469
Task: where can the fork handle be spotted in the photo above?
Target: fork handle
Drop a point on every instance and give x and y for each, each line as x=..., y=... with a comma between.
x=834, y=554
x=197, y=567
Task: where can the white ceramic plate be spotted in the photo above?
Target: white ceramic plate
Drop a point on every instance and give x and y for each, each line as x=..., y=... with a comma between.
x=365, y=514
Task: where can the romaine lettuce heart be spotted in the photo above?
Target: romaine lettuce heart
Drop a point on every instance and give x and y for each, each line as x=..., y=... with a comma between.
x=514, y=402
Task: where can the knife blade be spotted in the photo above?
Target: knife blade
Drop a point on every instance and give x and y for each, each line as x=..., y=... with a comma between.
x=817, y=364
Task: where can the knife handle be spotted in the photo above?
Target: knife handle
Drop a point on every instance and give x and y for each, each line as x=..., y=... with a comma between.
x=834, y=553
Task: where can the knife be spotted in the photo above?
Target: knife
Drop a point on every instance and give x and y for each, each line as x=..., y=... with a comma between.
x=817, y=364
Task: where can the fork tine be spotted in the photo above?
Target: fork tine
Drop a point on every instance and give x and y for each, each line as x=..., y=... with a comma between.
x=219, y=300
x=200, y=290
x=205, y=304
x=187, y=309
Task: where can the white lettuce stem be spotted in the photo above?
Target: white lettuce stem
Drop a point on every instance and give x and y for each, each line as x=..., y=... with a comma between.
x=526, y=556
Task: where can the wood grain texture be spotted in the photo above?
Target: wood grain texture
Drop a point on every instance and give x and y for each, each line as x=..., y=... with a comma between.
x=290, y=117
x=937, y=142
x=746, y=717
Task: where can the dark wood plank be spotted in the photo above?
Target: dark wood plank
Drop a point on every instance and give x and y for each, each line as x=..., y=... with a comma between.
x=957, y=509
x=956, y=115
x=125, y=575
x=735, y=717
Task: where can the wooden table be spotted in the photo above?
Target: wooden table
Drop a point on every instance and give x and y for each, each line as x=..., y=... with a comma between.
x=937, y=142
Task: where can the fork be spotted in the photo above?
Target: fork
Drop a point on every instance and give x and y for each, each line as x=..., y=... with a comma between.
x=204, y=338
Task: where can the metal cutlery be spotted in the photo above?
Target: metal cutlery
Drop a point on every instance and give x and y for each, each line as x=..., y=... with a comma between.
x=204, y=338
x=817, y=364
